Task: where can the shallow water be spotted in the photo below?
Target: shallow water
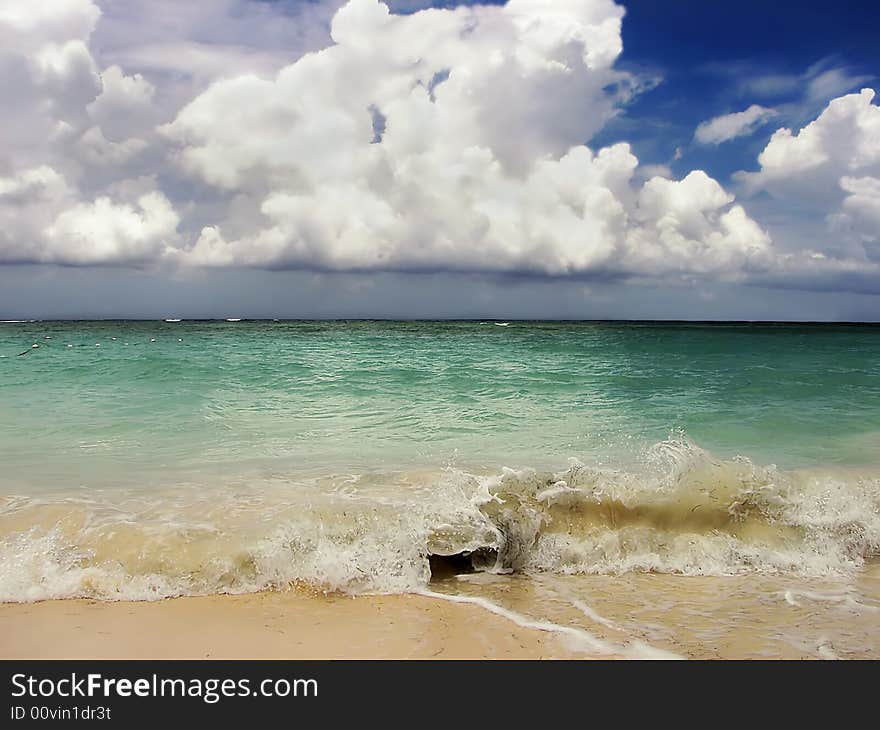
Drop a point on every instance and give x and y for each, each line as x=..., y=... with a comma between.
x=705, y=469
x=645, y=615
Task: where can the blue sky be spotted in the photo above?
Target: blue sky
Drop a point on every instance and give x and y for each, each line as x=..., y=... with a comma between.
x=716, y=59
x=712, y=59
x=534, y=159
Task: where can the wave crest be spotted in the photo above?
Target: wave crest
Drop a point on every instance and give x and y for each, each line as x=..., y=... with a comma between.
x=686, y=511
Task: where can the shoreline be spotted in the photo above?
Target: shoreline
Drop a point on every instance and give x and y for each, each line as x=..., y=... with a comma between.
x=270, y=625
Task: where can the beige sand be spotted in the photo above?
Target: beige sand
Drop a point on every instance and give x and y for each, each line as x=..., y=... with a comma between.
x=288, y=624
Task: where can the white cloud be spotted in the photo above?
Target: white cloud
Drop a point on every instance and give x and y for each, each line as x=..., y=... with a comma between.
x=46, y=72
x=646, y=172
x=450, y=140
x=46, y=22
x=107, y=231
x=821, y=82
x=806, y=167
x=829, y=168
x=859, y=215
x=689, y=225
x=454, y=140
x=824, y=82
x=77, y=141
x=730, y=126
x=845, y=137
x=38, y=182
x=123, y=102
x=28, y=200
x=41, y=220
x=186, y=45
x=97, y=150
x=863, y=199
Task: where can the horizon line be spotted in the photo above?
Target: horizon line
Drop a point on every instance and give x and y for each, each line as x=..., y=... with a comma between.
x=616, y=320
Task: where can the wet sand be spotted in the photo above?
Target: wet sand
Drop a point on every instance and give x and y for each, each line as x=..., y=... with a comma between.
x=751, y=616
x=473, y=616
x=286, y=624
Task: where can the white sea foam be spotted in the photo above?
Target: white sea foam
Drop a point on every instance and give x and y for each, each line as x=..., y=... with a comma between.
x=689, y=513
x=844, y=598
x=576, y=639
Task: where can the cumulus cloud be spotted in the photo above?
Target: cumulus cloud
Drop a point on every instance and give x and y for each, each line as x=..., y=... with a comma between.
x=42, y=219
x=123, y=103
x=730, y=126
x=184, y=46
x=858, y=217
x=832, y=168
x=106, y=231
x=37, y=183
x=69, y=131
x=28, y=199
x=64, y=105
x=844, y=138
x=46, y=72
x=443, y=140
x=97, y=150
x=451, y=140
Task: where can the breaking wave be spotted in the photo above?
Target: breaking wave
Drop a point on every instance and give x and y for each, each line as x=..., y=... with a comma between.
x=686, y=512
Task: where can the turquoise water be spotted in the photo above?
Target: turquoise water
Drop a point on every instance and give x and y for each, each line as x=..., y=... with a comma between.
x=221, y=436
x=359, y=394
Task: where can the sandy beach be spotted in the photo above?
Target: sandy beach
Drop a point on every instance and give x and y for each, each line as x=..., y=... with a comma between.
x=289, y=624
x=478, y=616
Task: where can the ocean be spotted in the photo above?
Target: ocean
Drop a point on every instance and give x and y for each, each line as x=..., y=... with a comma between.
x=690, y=489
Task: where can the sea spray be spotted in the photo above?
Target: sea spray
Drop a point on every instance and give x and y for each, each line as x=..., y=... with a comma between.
x=690, y=513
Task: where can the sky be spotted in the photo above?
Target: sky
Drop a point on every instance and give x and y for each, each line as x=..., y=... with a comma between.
x=529, y=159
